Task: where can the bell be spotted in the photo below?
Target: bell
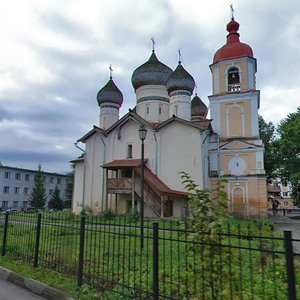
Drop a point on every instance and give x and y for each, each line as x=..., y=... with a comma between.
x=233, y=75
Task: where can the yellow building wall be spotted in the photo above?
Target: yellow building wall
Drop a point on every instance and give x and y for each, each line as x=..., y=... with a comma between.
x=247, y=197
x=243, y=66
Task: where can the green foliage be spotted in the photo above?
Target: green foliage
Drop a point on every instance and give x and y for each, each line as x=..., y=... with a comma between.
x=38, y=196
x=132, y=216
x=267, y=134
x=55, y=201
x=289, y=147
x=108, y=215
x=208, y=215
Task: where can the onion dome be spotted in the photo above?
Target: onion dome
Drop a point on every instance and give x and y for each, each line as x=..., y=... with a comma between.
x=180, y=80
x=110, y=93
x=198, y=107
x=233, y=48
x=152, y=72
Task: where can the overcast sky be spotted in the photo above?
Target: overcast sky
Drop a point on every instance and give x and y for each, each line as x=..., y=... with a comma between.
x=55, y=54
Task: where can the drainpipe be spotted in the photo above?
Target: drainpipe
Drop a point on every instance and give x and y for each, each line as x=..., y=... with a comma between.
x=205, y=173
x=84, y=174
x=155, y=152
x=103, y=177
x=218, y=154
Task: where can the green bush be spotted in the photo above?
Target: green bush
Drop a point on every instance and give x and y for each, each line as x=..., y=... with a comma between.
x=108, y=215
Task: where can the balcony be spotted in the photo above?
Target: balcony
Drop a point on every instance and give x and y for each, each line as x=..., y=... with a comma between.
x=119, y=185
x=234, y=87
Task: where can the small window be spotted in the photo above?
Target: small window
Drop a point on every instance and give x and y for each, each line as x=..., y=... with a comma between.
x=6, y=189
x=58, y=180
x=25, y=204
x=26, y=191
x=129, y=151
x=17, y=190
x=27, y=177
x=147, y=109
x=4, y=204
x=51, y=179
x=7, y=175
x=176, y=110
x=15, y=204
x=50, y=192
x=18, y=176
x=233, y=79
x=159, y=109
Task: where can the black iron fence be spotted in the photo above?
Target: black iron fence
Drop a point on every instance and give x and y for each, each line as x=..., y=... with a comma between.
x=247, y=260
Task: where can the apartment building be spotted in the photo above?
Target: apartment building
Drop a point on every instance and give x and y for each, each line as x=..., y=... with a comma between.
x=16, y=185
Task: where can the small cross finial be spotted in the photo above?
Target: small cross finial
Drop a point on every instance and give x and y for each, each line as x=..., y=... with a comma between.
x=110, y=72
x=153, y=43
x=232, y=11
x=179, y=56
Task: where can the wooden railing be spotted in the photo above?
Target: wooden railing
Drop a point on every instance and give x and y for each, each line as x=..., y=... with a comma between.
x=115, y=183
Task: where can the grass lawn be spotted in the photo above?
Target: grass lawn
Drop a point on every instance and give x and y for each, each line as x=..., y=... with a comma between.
x=249, y=261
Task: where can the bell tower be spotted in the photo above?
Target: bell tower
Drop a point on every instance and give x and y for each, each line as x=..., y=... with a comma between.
x=234, y=105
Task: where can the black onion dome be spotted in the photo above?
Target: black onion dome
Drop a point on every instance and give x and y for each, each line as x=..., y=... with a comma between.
x=110, y=93
x=152, y=72
x=198, y=107
x=180, y=80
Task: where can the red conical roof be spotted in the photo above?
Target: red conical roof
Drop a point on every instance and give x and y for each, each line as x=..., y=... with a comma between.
x=233, y=48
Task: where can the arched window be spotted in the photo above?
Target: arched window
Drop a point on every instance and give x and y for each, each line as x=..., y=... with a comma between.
x=233, y=80
x=129, y=151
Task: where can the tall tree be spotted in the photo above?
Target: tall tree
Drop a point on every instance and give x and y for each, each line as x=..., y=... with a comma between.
x=55, y=201
x=38, y=196
x=289, y=147
x=268, y=136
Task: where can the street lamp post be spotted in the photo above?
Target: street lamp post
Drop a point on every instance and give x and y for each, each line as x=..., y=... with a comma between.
x=142, y=135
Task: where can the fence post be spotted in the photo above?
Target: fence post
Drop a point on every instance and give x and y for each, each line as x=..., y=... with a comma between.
x=37, y=240
x=155, y=262
x=290, y=265
x=81, y=251
x=5, y=234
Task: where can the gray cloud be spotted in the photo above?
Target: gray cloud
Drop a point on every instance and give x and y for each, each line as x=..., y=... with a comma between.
x=50, y=102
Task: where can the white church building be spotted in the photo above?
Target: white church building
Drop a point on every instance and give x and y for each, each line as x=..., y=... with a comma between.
x=179, y=138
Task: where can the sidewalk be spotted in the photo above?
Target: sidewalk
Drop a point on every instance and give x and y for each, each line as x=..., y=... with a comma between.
x=9, y=279
x=285, y=223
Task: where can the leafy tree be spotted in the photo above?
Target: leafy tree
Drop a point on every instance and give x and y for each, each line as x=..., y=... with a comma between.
x=207, y=218
x=268, y=136
x=38, y=196
x=55, y=201
x=289, y=148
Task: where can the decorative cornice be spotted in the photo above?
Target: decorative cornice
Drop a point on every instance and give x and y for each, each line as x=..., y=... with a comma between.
x=153, y=98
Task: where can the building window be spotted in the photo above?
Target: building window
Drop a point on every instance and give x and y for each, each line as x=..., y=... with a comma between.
x=26, y=191
x=25, y=204
x=129, y=151
x=233, y=79
x=159, y=109
x=6, y=190
x=51, y=179
x=176, y=110
x=50, y=192
x=147, y=109
x=7, y=175
x=17, y=190
x=15, y=204
x=18, y=176
x=4, y=204
x=27, y=177
x=58, y=180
